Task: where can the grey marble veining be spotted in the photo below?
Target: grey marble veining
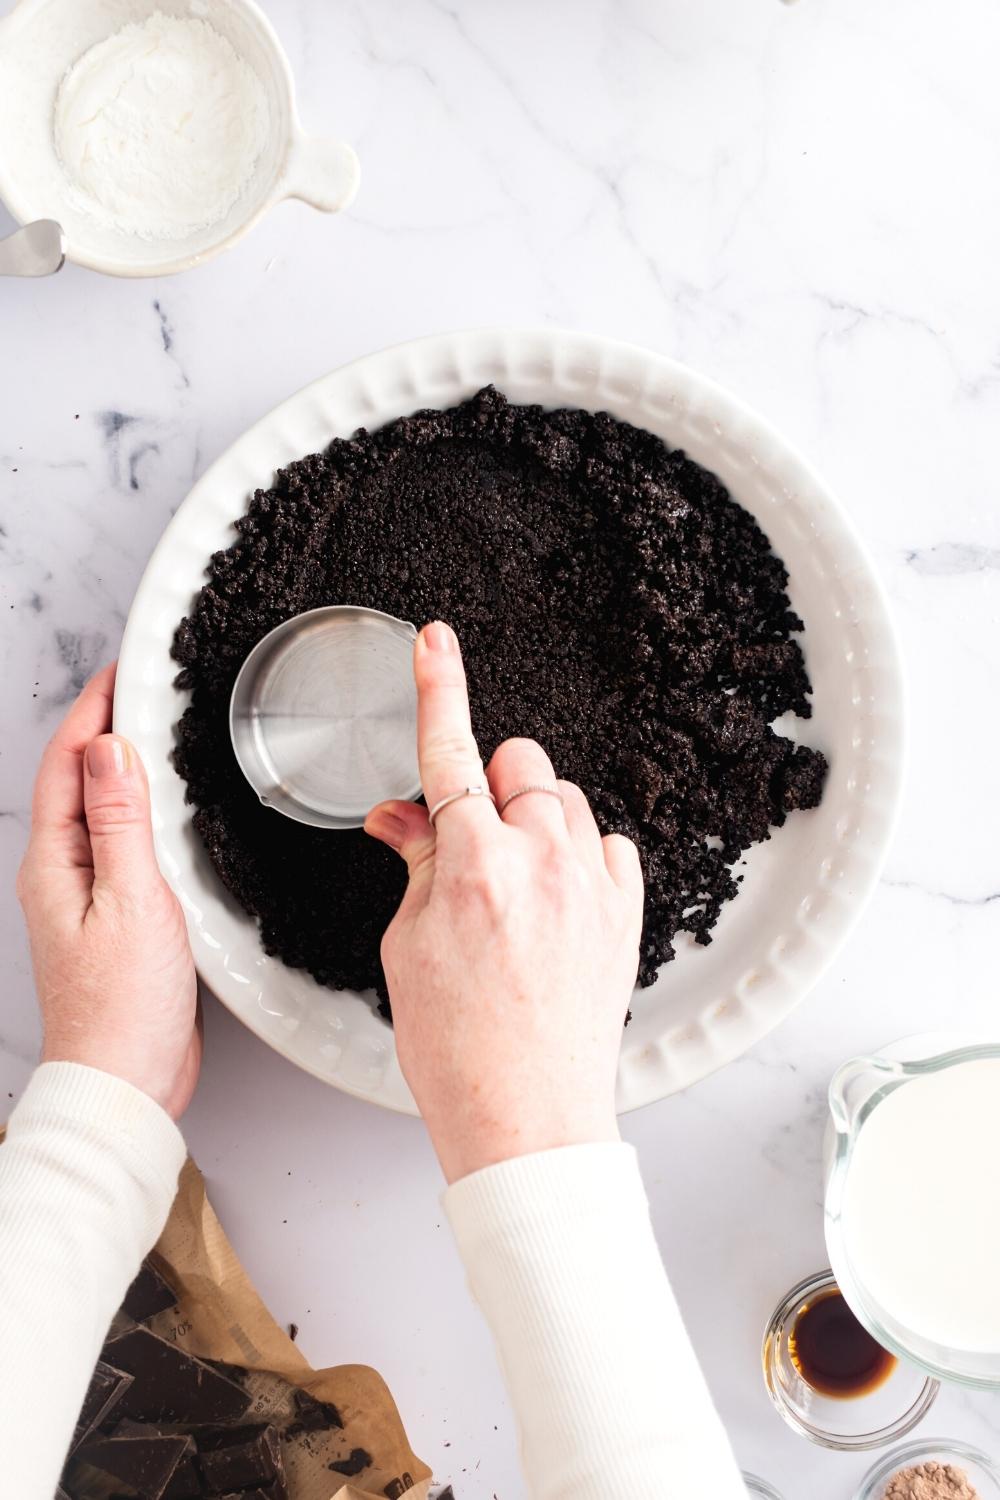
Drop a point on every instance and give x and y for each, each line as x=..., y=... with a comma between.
x=803, y=203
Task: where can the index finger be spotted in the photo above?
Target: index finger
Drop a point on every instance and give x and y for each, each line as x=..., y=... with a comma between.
x=57, y=805
x=446, y=747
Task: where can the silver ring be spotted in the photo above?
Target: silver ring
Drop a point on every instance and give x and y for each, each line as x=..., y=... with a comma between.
x=522, y=791
x=467, y=791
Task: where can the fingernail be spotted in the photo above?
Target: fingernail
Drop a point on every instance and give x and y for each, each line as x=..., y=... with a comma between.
x=387, y=828
x=440, y=637
x=107, y=756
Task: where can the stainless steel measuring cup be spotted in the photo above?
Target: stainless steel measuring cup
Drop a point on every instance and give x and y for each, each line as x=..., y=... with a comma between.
x=323, y=715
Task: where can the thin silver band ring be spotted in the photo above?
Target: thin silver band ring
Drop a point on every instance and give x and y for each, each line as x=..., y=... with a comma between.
x=522, y=791
x=467, y=791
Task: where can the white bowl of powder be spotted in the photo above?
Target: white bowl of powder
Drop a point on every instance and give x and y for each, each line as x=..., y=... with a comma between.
x=156, y=131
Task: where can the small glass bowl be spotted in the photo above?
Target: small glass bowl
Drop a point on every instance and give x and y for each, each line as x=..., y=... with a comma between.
x=760, y=1488
x=982, y=1471
x=851, y=1423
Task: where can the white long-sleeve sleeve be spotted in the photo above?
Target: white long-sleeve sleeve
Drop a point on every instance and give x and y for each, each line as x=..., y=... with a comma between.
x=606, y=1387
x=87, y=1176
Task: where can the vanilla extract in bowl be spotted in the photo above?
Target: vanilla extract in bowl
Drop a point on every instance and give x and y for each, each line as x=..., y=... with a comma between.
x=834, y=1353
x=830, y=1380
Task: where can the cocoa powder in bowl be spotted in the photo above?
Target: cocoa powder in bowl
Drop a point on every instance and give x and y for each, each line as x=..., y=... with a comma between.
x=613, y=602
x=931, y=1481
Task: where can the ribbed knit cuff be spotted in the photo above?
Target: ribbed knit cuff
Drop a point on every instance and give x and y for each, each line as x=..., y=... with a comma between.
x=561, y=1256
x=88, y=1174
x=560, y=1185
x=106, y=1112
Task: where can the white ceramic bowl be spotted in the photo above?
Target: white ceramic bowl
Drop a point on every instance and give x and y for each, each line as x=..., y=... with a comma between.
x=804, y=888
x=41, y=39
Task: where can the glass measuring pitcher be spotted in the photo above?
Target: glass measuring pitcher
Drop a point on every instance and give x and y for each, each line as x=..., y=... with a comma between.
x=913, y=1205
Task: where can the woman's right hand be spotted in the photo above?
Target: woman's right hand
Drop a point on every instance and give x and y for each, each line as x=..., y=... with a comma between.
x=513, y=954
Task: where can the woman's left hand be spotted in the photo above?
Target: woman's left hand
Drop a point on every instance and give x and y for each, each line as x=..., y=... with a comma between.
x=113, y=966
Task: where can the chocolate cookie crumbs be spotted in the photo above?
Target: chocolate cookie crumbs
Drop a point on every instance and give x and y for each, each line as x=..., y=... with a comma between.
x=355, y=1463
x=312, y=1415
x=612, y=602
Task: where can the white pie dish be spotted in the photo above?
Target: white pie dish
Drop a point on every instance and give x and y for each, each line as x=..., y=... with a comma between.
x=803, y=889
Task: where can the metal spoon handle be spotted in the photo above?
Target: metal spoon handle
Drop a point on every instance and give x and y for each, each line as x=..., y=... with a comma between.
x=36, y=250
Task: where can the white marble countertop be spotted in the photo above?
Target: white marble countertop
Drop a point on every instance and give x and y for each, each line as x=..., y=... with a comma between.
x=802, y=202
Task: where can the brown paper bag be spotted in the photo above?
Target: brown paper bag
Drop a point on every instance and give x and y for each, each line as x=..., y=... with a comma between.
x=220, y=1316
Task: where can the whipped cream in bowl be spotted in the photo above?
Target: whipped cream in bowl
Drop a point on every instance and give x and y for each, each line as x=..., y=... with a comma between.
x=156, y=131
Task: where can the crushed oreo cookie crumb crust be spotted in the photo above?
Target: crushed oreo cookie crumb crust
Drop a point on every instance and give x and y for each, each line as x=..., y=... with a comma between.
x=612, y=602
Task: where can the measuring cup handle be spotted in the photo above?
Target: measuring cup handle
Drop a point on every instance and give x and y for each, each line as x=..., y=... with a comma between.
x=323, y=173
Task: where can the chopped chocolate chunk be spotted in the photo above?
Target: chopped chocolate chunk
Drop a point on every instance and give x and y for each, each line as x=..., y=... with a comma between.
x=129, y=1427
x=238, y=1458
x=312, y=1415
x=236, y=1373
x=171, y=1386
x=149, y=1293
x=106, y=1468
x=355, y=1462
x=270, y=1493
x=185, y=1482
x=613, y=602
x=107, y=1386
